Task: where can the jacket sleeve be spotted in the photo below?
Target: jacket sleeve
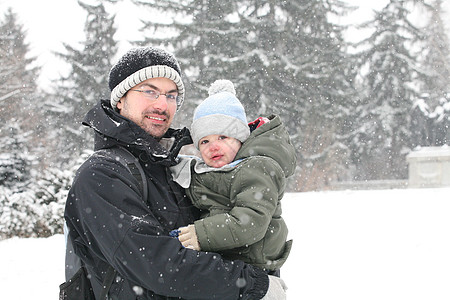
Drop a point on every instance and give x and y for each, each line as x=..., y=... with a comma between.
x=109, y=220
x=254, y=195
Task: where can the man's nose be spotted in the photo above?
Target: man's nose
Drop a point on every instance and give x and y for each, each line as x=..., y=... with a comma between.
x=161, y=103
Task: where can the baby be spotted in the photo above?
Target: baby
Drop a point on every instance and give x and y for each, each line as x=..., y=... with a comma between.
x=239, y=182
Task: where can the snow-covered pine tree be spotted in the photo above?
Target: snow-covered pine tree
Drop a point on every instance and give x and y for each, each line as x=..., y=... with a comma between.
x=388, y=67
x=84, y=85
x=50, y=190
x=19, y=128
x=431, y=122
x=284, y=57
x=18, y=96
x=15, y=164
x=203, y=37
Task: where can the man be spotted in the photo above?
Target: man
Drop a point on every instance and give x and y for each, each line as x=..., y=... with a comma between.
x=109, y=223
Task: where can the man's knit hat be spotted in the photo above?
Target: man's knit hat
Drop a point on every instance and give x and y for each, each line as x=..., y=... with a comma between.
x=140, y=64
x=221, y=113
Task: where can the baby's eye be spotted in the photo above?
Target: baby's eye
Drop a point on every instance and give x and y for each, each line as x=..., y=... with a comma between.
x=202, y=142
x=223, y=137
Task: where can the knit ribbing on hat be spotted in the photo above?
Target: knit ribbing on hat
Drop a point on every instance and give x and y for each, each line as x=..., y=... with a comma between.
x=144, y=74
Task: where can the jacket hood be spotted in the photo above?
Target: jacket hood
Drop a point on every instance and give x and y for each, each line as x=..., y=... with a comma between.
x=272, y=140
x=112, y=129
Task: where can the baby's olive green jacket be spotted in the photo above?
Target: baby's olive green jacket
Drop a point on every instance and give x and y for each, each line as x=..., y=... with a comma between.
x=242, y=218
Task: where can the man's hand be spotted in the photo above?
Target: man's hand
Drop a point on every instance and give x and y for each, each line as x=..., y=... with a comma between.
x=277, y=289
x=188, y=237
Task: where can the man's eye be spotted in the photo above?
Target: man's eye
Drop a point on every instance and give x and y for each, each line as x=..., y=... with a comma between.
x=171, y=97
x=150, y=92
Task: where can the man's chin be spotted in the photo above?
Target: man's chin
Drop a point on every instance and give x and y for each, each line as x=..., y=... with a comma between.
x=156, y=131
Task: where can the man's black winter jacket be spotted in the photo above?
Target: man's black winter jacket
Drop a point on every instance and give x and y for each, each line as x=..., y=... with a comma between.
x=111, y=225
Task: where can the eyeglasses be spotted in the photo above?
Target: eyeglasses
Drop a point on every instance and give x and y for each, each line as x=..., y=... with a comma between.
x=153, y=95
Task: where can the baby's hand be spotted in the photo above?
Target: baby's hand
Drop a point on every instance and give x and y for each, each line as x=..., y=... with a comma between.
x=188, y=237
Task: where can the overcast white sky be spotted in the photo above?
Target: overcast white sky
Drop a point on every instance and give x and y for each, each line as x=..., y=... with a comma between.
x=49, y=23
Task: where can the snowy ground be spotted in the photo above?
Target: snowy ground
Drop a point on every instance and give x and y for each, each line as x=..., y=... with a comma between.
x=389, y=244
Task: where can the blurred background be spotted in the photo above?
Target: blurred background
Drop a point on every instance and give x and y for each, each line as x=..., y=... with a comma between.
x=360, y=86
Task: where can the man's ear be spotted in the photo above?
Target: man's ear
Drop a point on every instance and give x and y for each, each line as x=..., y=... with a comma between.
x=119, y=104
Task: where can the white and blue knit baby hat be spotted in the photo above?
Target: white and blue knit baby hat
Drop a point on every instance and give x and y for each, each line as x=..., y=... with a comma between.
x=221, y=113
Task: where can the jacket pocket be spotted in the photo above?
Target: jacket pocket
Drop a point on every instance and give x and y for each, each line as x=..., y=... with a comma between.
x=77, y=288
